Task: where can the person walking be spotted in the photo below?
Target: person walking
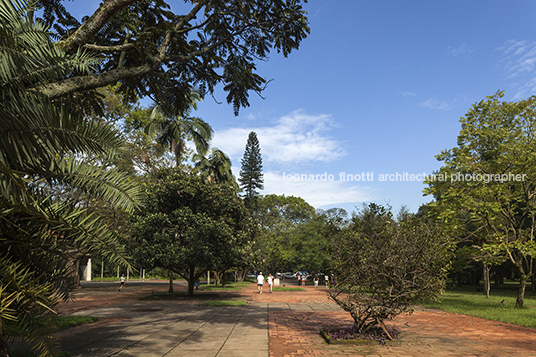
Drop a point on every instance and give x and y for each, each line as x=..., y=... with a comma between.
x=315, y=279
x=326, y=279
x=122, y=286
x=270, y=280
x=260, y=282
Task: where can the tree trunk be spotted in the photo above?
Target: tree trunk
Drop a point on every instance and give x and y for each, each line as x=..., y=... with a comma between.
x=486, y=280
x=521, y=291
x=170, y=290
x=191, y=281
x=243, y=274
x=220, y=277
x=533, y=287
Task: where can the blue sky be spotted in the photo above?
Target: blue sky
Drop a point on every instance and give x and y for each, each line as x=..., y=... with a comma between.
x=378, y=87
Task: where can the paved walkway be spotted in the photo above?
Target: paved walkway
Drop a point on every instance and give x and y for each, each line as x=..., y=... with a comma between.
x=171, y=329
x=276, y=325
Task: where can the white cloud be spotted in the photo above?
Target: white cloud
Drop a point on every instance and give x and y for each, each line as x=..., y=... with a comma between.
x=435, y=104
x=408, y=94
x=519, y=64
x=296, y=138
x=320, y=191
x=461, y=50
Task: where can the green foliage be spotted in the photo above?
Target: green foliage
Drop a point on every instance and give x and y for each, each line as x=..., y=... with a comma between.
x=384, y=266
x=44, y=225
x=251, y=176
x=489, y=197
x=162, y=53
x=216, y=168
x=189, y=226
x=280, y=219
x=173, y=132
x=312, y=244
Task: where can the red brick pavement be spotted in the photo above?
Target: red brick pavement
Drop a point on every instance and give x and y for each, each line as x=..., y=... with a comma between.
x=425, y=333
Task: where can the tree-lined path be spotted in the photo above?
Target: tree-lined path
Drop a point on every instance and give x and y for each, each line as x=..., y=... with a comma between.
x=285, y=323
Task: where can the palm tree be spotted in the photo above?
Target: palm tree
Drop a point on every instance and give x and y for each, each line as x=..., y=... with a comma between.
x=43, y=145
x=173, y=131
x=216, y=167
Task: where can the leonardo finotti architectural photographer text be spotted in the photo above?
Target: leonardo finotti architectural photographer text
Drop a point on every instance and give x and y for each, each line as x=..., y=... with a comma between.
x=404, y=177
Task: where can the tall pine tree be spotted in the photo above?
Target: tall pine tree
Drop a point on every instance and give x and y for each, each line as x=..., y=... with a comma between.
x=251, y=177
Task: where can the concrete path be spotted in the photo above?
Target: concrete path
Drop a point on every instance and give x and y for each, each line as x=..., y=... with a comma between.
x=171, y=329
x=181, y=329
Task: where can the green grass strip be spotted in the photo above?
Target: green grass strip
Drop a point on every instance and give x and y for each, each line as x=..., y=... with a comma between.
x=65, y=322
x=276, y=288
x=220, y=288
x=225, y=303
x=499, y=307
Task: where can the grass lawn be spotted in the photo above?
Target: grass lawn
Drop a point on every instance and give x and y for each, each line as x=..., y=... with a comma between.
x=499, y=307
x=65, y=322
x=228, y=286
x=57, y=323
x=225, y=303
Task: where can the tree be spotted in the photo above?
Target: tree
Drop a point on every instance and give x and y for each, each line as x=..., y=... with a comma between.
x=216, y=167
x=384, y=266
x=173, y=132
x=487, y=188
x=43, y=147
x=280, y=218
x=189, y=226
x=312, y=242
x=251, y=177
x=162, y=53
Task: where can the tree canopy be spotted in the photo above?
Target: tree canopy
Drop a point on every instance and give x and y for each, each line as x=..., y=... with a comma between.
x=487, y=191
x=164, y=50
x=52, y=160
x=279, y=218
x=189, y=225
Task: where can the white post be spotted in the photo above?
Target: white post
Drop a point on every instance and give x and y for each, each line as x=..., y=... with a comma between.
x=88, y=270
x=118, y=272
x=128, y=272
x=102, y=270
x=143, y=274
x=208, y=277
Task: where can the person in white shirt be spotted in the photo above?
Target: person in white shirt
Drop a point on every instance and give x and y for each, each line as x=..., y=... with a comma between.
x=122, y=286
x=260, y=282
x=270, y=280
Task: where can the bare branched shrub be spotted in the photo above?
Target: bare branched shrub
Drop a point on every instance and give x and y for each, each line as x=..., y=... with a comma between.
x=384, y=266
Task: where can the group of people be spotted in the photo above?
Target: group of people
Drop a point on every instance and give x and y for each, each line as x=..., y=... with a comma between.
x=260, y=282
x=316, y=279
x=301, y=281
